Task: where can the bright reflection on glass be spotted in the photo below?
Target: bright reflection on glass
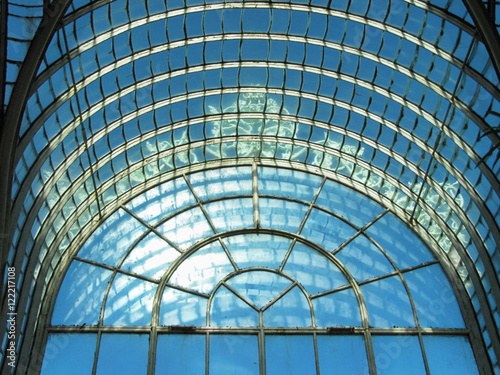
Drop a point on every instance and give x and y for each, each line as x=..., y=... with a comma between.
x=314, y=270
x=279, y=214
x=259, y=287
x=363, y=259
x=291, y=310
x=231, y=213
x=337, y=309
x=110, y=240
x=182, y=308
x=258, y=250
x=203, y=269
x=387, y=303
x=229, y=310
x=222, y=182
x=151, y=257
x=130, y=302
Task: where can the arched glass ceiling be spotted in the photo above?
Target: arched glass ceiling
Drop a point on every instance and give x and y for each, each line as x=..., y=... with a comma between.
x=224, y=268
x=397, y=99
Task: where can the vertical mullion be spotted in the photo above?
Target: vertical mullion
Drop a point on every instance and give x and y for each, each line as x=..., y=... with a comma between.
x=255, y=196
x=370, y=354
x=262, y=345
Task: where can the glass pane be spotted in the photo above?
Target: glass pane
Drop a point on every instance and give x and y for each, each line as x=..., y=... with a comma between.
x=363, y=259
x=326, y=230
x=288, y=183
x=434, y=298
x=313, y=270
x=387, y=303
x=450, y=355
x=337, y=309
x=231, y=214
x=279, y=214
x=80, y=298
x=63, y=350
x=229, y=310
x=203, y=269
x=162, y=201
x=181, y=308
x=291, y=355
x=258, y=250
x=398, y=355
x=186, y=228
x=291, y=310
x=402, y=245
x=180, y=354
x=259, y=287
x=123, y=354
x=354, y=206
x=130, y=301
x=222, y=182
x=234, y=354
x=112, y=239
x=345, y=354
x=151, y=257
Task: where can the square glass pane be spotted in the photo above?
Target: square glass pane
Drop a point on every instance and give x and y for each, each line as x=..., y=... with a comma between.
x=291, y=355
x=63, y=350
x=180, y=354
x=398, y=355
x=345, y=354
x=450, y=355
x=123, y=354
x=234, y=354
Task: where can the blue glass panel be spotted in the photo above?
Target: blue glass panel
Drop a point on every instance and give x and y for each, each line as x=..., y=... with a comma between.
x=151, y=257
x=234, y=354
x=129, y=302
x=387, y=303
x=229, y=310
x=291, y=310
x=66, y=349
x=162, y=201
x=123, y=354
x=231, y=214
x=258, y=250
x=347, y=202
x=450, y=355
x=345, y=354
x=181, y=308
x=279, y=214
x=222, y=182
x=363, y=259
x=180, y=354
x=315, y=272
x=337, y=309
x=186, y=228
x=288, y=183
x=402, y=245
x=398, y=355
x=291, y=355
x=259, y=287
x=434, y=298
x=326, y=230
x=80, y=298
x=203, y=269
x=112, y=239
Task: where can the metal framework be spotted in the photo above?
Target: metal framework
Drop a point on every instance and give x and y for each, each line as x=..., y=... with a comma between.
x=396, y=99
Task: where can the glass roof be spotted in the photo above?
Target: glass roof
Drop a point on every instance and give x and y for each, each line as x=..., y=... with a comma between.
x=108, y=106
